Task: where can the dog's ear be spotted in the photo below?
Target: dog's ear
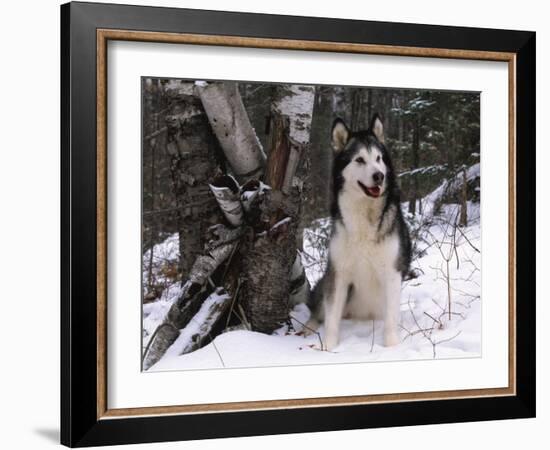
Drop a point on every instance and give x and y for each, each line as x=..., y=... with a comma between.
x=377, y=127
x=340, y=135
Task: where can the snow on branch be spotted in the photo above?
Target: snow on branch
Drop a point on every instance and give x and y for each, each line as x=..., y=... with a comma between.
x=200, y=326
x=220, y=245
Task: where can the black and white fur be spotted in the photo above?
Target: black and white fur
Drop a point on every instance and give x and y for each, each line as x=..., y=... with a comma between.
x=370, y=248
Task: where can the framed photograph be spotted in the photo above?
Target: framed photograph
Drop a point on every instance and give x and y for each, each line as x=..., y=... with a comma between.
x=277, y=224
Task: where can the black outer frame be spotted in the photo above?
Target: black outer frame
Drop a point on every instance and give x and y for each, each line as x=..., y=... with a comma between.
x=79, y=424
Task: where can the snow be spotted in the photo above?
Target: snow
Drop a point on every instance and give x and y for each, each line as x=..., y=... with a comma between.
x=431, y=199
x=154, y=312
x=166, y=252
x=315, y=254
x=426, y=329
x=182, y=87
x=422, y=297
x=423, y=170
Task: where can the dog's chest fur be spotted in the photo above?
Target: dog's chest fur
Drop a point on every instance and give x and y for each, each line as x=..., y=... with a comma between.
x=363, y=255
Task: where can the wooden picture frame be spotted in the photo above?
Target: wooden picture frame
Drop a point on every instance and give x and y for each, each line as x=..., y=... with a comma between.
x=85, y=416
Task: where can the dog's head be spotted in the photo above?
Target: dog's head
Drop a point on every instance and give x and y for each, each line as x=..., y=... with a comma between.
x=362, y=164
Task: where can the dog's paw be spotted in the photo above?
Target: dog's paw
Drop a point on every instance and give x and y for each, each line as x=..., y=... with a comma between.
x=331, y=342
x=391, y=339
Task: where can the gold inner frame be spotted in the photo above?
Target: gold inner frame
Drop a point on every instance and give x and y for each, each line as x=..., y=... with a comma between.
x=104, y=35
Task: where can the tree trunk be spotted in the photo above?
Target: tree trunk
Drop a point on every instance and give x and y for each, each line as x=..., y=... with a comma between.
x=196, y=158
x=231, y=125
x=317, y=190
x=268, y=255
x=357, y=122
x=279, y=152
x=369, y=104
x=415, y=152
x=464, y=201
x=271, y=253
x=152, y=231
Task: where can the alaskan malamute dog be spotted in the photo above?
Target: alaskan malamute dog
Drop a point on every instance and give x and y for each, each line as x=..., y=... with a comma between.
x=370, y=248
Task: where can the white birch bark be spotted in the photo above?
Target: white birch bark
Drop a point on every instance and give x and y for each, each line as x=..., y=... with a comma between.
x=231, y=125
x=226, y=190
x=296, y=102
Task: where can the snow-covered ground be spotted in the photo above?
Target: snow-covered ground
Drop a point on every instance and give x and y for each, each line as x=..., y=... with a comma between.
x=165, y=253
x=427, y=329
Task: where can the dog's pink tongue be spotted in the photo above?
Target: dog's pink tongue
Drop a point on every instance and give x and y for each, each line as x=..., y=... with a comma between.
x=374, y=191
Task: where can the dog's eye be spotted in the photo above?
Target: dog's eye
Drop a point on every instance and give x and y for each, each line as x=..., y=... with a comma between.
x=378, y=158
x=360, y=160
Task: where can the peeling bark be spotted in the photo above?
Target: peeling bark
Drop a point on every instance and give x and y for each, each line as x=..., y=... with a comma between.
x=227, y=194
x=279, y=152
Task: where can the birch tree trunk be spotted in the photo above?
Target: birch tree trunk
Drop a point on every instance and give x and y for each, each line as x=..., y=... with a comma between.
x=231, y=125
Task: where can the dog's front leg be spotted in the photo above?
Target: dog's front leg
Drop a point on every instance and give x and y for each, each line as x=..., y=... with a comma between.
x=334, y=307
x=393, y=306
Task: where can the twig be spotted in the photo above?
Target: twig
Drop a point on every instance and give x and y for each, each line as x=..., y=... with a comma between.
x=372, y=342
x=413, y=333
x=211, y=283
x=243, y=317
x=233, y=302
x=310, y=329
x=424, y=331
x=438, y=305
x=154, y=134
x=434, y=319
x=447, y=339
x=218, y=352
x=468, y=240
x=229, y=260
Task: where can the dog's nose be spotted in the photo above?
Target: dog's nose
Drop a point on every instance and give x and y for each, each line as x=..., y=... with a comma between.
x=378, y=178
